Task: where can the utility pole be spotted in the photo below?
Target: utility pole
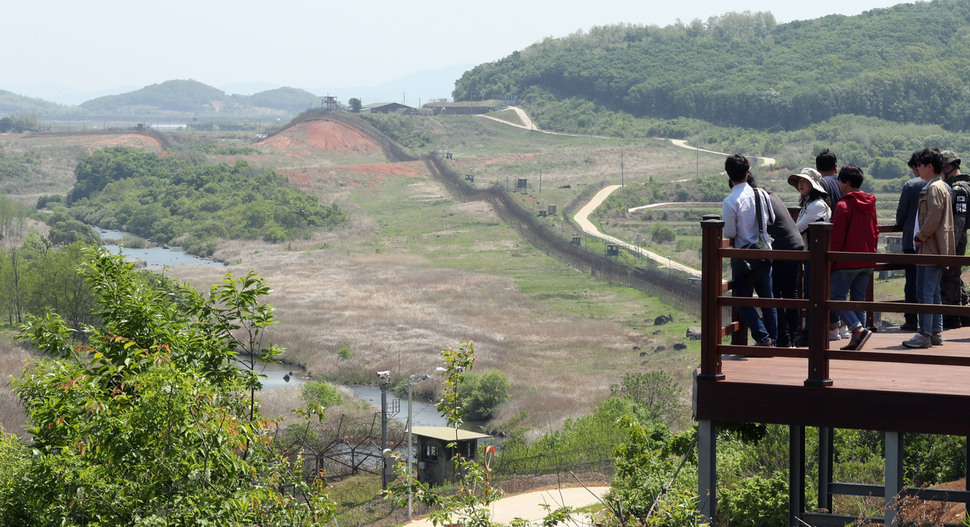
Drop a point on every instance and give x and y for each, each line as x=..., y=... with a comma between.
x=621, y=167
x=385, y=379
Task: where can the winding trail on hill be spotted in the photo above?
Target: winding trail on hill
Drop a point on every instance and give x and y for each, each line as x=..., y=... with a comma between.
x=582, y=219
x=765, y=161
x=582, y=216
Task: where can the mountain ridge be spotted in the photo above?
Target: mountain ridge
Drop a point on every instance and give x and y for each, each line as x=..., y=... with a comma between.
x=187, y=98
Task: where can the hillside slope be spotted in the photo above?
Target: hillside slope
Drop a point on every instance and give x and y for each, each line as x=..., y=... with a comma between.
x=907, y=63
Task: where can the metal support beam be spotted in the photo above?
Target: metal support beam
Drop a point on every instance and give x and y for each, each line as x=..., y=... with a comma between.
x=894, y=474
x=826, y=445
x=796, y=473
x=707, y=470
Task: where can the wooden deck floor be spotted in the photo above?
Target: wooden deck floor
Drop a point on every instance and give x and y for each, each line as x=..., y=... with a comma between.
x=872, y=395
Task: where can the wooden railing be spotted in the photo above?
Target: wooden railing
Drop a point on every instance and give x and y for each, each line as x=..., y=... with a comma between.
x=816, y=304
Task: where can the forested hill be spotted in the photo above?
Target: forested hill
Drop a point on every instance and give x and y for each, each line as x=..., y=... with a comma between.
x=908, y=63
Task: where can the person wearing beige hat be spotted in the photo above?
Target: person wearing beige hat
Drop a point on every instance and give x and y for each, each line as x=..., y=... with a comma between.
x=813, y=207
x=813, y=204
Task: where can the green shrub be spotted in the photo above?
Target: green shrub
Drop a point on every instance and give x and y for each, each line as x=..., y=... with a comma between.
x=758, y=502
x=482, y=394
x=320, y=392
x=662, y=233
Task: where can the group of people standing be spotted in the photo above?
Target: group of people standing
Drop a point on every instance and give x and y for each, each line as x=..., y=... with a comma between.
x=932, y=212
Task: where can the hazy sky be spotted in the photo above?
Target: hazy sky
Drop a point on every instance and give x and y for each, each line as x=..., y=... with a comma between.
x=96, y=45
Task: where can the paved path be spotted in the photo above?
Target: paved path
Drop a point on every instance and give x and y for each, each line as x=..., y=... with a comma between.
x=528, y=506
x=582, y=219
x=765, y=161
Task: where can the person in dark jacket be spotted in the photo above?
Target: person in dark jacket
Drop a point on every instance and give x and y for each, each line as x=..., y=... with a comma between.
x=906, y=218
x=951, y=282
x=784, y=273
x=854, y=229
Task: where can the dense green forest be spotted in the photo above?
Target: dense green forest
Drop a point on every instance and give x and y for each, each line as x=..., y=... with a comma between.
x=191, y=202
x=908, y=63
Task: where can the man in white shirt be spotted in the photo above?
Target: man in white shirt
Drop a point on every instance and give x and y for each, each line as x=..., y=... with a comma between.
x=742, y=225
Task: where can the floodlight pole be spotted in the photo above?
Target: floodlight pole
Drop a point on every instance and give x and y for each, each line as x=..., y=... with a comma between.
x=385, y=379
x=412, y=380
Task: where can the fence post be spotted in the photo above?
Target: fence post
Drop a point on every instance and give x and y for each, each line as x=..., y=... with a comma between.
x=711, y=281
x=818, y=312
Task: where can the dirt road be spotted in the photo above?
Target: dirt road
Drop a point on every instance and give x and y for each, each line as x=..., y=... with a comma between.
x=765, y=161
x=528, y=505
x=582, y=219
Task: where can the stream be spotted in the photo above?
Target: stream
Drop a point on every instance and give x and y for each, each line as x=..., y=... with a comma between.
x=158, y=256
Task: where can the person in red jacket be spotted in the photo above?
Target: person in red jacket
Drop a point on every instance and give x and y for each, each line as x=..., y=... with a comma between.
x=854, y=229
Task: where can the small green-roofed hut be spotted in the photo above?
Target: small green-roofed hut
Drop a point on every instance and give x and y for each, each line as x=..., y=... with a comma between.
x=435, y=458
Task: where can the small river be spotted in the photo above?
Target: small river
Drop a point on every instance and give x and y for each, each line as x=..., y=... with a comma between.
x=152, y=256
x=423, y=413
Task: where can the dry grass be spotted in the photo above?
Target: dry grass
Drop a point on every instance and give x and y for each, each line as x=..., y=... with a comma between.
x=394, y=302
x=396, y=312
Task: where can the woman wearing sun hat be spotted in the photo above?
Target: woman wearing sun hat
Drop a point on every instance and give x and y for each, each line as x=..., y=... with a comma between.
x=813, y=203
x=813, y=207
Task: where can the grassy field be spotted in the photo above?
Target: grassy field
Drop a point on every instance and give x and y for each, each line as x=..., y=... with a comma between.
x=416, y=271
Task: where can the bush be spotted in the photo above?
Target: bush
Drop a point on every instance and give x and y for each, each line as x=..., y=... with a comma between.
x=483, y=394
x=149, y=422
x=320, y=392
x=44, y=200
x=758, y=502
x=662, y=233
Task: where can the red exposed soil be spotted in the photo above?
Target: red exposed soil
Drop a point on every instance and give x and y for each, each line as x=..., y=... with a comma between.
x=916, y=510
x=323, y=135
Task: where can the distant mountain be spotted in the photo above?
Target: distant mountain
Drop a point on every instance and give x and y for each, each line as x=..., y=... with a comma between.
x=291, y=100
x=189, y=99
x=169, y=96
x=13, y=104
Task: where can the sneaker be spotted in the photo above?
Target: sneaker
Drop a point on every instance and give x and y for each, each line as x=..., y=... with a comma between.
x=858, y=342
x=767, y=343
x=844, y=332
x=936, y=339
x=919, y=341
x=834, y=334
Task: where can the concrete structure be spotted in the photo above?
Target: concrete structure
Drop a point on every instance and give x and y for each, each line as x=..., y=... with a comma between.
x=435, y=457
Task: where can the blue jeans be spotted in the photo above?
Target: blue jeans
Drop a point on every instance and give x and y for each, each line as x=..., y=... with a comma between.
x=765, y=330
x=909, y=289
x=851, y=284
x=928, y=292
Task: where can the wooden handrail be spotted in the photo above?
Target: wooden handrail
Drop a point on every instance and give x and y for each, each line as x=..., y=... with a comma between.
x=817, y=304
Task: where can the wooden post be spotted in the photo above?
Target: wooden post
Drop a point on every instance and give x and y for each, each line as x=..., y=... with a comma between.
x=818, y=311
x=711, y=271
